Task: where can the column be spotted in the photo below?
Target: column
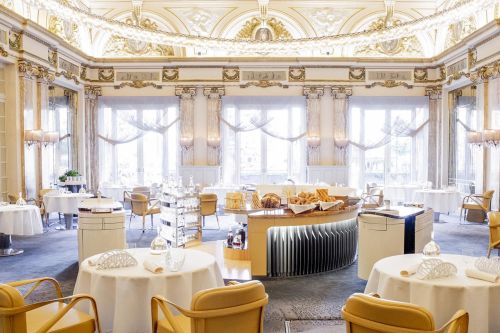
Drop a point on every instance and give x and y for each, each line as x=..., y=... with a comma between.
x=340, y=109
x=434, y=149
x=313, y=95
x=214, y=106
x=92, y=94
x=44, y=78
x=186, y=115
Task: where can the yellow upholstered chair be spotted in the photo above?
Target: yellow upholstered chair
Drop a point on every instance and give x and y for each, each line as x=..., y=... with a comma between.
x=494, y=218
x=53, y=315
x=208, y=206
x=40, y=204
x=370, y=314
x=141, y=206
x=477, y=206
x=238, y=307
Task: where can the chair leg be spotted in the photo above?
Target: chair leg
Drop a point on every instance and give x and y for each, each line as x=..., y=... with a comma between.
x=489, y=251
x=152, y=222
x=143, y=223
x=217, y=218
x=203, y=221
x=461, y=211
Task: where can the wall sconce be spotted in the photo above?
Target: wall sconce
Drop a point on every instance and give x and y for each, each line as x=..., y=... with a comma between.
x=186, y=142
x=213, y=142
x=313, y=141
x=40, y=137
x=491, y=137
x=341, y=143
x=475, y=138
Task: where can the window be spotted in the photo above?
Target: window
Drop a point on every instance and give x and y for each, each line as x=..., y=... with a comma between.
x=390, y=139
x=263, y=155
x=138, y=143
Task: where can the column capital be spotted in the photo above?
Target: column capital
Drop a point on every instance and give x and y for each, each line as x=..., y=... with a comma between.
x=185, y=92
x=341, y=92
x=92, y=92
x=434, y=92
x=214, y=92
x=313, y=92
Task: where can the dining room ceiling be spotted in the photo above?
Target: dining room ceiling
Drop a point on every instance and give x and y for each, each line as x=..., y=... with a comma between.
x=242, y=19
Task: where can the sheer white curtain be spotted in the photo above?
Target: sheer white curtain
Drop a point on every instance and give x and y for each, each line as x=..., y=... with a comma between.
x=263, y=139
x=390, y=139
x=138, y=139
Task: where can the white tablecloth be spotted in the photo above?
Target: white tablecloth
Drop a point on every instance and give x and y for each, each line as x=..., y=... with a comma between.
x=20, y=220
x=221, y=191
x=66, y=203
x=403, y=193
x=441, y=201
x=125, y=293
x=115, y=192
x=442, y=297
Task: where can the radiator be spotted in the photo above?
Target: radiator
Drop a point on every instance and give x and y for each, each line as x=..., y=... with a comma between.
x=309, y=249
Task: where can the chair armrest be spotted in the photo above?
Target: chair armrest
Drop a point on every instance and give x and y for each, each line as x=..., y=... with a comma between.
x=37, y=282
x=156, y=203
x=126, y=196
x=458, y=323
x=232, y=283
x=160, y=302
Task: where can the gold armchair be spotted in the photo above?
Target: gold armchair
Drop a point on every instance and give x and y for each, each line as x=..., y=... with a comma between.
x=494, y=218
x=368, y=314
x=37, y=202
x=236, y=307
x=208, y=206
x=47, y=316
x=373, y=199
x=476, y=206
x=142, y=206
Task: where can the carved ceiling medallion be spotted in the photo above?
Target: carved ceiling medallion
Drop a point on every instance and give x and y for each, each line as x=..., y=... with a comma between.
x=277, y=28
x=66, y=30
x=406, y=46
x=459, y=30
x=122, y=47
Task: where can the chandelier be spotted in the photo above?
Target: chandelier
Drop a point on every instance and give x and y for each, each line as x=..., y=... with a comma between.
x=457, y=13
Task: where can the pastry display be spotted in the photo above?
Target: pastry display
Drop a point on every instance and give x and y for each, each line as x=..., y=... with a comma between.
x=256, y=203
x=271, y=200
x=235, y=200
x=304, y=198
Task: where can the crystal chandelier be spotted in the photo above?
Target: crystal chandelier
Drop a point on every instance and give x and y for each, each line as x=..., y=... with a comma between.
x=67, y=12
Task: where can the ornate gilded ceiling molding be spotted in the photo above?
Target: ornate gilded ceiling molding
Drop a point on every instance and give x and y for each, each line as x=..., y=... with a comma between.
x=471, y=58
x=3, y=52
x=339, y=92
x=296, y=74
x=52, y=57
x=483, y=73
x=106, y=74
x=277, y=27
x=263, y=84
x=185, y=92
x=390, y=84
x=434, y=92
x=138, y=84
x=28, y=69
x=231, y=74
x=420, y=74
x=313, y=92
x=214, y=92
x=456, y=76
x=15, y=40
x=92, y=92
x=68, y=76
x=357, y=74
x=170, y=74
x=83, y=72
x=66, y=30
x=460, y=30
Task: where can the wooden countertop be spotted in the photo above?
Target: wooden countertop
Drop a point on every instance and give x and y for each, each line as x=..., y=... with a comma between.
x=287, y=213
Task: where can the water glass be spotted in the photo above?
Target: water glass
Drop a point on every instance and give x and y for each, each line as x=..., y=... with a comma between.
x=175, y=259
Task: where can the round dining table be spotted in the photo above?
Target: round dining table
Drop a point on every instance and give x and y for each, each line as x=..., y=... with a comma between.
x=19, y=221
x=442, y=296
x=440, y=201
x=401, y=193
x=65, y=203
x=123, y=295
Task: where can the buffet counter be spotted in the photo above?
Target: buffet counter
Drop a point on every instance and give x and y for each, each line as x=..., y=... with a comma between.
x=284, y=244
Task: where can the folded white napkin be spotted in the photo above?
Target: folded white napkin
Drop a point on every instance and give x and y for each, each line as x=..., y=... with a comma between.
x=480, y=275
x=152, y=266
x=410, y=270
x=92, y=262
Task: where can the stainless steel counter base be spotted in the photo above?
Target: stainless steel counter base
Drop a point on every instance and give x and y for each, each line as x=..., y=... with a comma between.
x=309, y=249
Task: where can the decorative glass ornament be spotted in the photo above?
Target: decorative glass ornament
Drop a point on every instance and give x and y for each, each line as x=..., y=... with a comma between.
x=82, y=190
x=116, y=259
x=431, y=250
x=175, y=259
x=20, y=201
x=434, y=269
x=159, y=244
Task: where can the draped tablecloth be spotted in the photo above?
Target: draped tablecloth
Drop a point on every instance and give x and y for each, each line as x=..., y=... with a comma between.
x=20, y=220
x=123, y=295
x=442, y=297
x=115, y=192
x=441, y=201
x=66, y=203
x=400, y=193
